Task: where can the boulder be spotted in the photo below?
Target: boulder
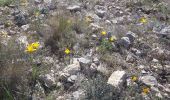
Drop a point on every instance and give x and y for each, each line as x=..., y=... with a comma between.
x=117, y=79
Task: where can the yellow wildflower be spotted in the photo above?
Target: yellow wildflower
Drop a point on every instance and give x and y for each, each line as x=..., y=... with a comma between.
x=145, y=90
x=35, y=45
x=67, y=51
x=103, y=33
x=112, y=38
x=134, y=78
x=32, y=47
x=143, y=20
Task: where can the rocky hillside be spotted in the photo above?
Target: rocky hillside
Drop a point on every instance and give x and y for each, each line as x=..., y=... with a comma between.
x=84, y=49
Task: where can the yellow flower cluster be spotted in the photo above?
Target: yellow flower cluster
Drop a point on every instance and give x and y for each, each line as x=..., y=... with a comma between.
x=143, y=20
x=67, y=51
x=112, y=38
x=103, y=33
x=145, y=90
x=134, y=78
x=31, y=48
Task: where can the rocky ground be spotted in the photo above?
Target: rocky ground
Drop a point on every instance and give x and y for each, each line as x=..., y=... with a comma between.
x=84, y=49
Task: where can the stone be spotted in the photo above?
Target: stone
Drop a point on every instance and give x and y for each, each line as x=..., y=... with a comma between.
x=74, y=8
x=25, y=27
x=72, y=78
x=84, y=60
x=72, y=69
x=77, y=95
x=117, y=79
x=165, y=32
x=125, y=42
x=38, y=1
x=131, y=36
x=95, y=27
x=48, y=80
x=100, y=13
x=130, y=58
x=149, y=80
x=20, y=19
x=23, y=40
x=103, y=69
x=137, y=52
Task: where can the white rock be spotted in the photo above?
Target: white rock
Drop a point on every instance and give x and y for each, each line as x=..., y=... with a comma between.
x=25, y=27
x=95, y=27
x=117, y=79
x=72, y=78
x=149, y=80
x=74, y=8
x=84, y=60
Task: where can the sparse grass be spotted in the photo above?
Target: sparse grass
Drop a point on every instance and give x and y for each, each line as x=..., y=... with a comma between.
x=18, y=71
x=65, y=32
x=5, y=2
x=97, y=89
x=13, y=72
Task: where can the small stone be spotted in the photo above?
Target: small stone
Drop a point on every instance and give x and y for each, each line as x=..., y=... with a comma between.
x=23, y=40
x=125, y=42
x=95, y=27
x=74, y=8
x=100, y=13
x=48, y=80
x=165, y=32
x=78, y=94
x=117, y=79
x=25, y=27
x=72, y=69
x=130, y=58
x=20, y=19
x=101, y=68
x=149, y=80
x=141, y=66
x=72, y=78
x=38, y=1
x=84, y=60
x=159, y=95
x=131, y=36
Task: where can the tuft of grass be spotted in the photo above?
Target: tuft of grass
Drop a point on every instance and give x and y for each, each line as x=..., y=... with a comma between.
x=5, y=2
x=97, y=89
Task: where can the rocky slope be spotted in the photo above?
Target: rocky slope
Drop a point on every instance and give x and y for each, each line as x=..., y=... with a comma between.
x=85, y=50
